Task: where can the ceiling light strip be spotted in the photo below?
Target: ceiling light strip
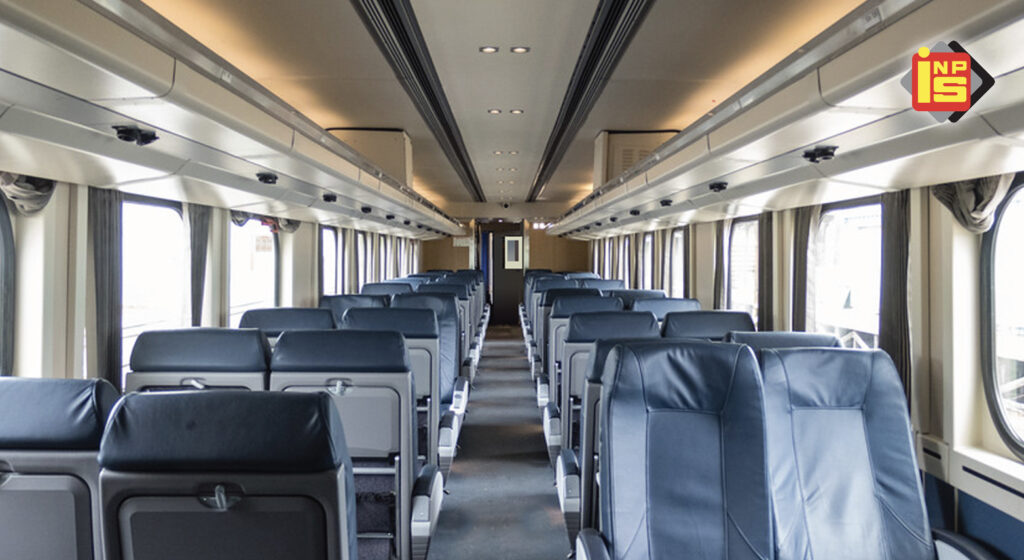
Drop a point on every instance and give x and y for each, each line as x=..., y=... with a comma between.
x=393, y=26
x=614, y=24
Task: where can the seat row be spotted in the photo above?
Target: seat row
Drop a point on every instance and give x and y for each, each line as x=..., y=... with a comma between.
x=701, y=453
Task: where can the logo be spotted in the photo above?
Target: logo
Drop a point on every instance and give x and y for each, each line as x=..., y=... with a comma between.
x=946, y=81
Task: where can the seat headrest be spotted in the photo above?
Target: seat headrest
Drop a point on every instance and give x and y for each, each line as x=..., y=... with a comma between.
x=413, y=282
x=54, y=414
x=599, y=355
x=440, y=271
x=630, y=296
x=460, y=291
x=588, y=327
x=830, y=377
x=566, y=306
x=274, y=321
x=549, y=297
x=386, y=288
x=442, y=304
x=712, y=325
x=582, y=275
x=342, y=303
x=602, y=284
x=769, y=339
x=553, y=284
x=662, y=306
x=224, y=431
x=412, y=323
x=206, y=350
x=693, y=375
x=340, y=351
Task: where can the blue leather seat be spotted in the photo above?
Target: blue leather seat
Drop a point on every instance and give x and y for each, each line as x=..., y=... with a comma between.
x=582, y=275
x=419, y=327
x=602, y=284
x=195, y=474
x=386, y=288
x=199, y=358
x=709, y=325
x=413, y=282
x=368, y=376
x=660, y=498
x=589, y=327
x=565, y=306
x=276, y=320
x=461, y=291
x=663, y=306
x=845, y=479
x=630, y=296
x=340, y=304
x=50, y=432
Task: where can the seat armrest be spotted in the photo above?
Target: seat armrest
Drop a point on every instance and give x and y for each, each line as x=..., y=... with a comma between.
x=448, y=439
x=460, y=396
x=427, y=497
x=951, y=546
x=590, y=545
x=568, y=464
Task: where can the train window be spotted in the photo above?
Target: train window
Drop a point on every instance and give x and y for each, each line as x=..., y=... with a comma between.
x=647, y=262
x=678, y=260
x=362, y=264
x=1004, y=302
x=847, y=274
x=329, y=261
x=607, y=272
x=743, y=279
x=154, y=271
x=624, y=261
x=253, y=269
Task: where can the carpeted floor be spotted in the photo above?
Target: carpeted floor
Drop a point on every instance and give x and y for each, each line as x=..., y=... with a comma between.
x=502, y=503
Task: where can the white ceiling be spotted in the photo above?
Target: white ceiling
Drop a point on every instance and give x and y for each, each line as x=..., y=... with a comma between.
x=318, y=56
x=687, y=56
x=535, y=82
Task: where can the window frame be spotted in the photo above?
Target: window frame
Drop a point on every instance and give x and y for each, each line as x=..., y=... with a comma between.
x=320, y=259
x=276, y=236
x=646, y=268
x=685, y=268
x=728, y=255
x=989, y=356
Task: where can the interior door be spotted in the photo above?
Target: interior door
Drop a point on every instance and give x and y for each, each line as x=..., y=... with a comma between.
x=505, y=261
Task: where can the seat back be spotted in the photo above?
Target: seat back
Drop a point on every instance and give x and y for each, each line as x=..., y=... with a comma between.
x=539, y=287
x=446, y=310
x=461, y=293
x=201, y=358
x=200, y=475
x=276, y=320
x=631, y=296
x=663, y=306
x=542, y=330
x=564, y=308
x=582, y=275
x=367, y=375
x=660, y=499
x=530, y=282
x=50, y=432
x=342, y=303
x=839, y=418
x=386, y=288
x=603, y=284
x=413, y=282
x=419, y=327
x=760, y=341
x=708, y=325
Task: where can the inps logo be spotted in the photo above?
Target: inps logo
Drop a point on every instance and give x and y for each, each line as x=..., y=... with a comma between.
x=946, y=81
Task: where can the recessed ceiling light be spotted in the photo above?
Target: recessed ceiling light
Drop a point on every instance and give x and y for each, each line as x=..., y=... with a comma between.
x=497, y=152
x=516, y=111
x=488, y=50
x=501, y=182
x=502, y=169
x=514, y=153
x=520, y=50
x=513, y=169
x=511, y=182
x=494, y=111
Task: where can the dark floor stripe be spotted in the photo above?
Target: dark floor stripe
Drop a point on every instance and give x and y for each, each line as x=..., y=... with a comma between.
x=502, y=503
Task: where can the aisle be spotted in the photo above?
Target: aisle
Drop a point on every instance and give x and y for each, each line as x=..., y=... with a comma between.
x=502, y=503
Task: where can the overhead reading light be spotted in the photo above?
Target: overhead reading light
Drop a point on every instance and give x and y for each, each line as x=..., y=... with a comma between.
x=613, y=219
x=520, y=50
x=330, y=197
x=820, y=153
x=267, y=178
x=516, y=111
x=406, y=222
x=488, y=50
x=718, y=186
x=494, y=111
x=366, y=209
x=634, y=212
x=390, y=217
x=666, y=203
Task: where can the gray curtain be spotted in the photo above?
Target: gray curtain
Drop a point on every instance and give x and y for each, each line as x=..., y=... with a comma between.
x=720, y=264
x=287, y=226
x=7, y=299
x=240, y=218
x=199, y=218
x=894, y=320
x=805, y=224
x=765, y=270
x=974, y=202
x=28, y=195
x=105, y=232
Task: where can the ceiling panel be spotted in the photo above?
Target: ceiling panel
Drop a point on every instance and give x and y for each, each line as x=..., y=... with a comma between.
x=318, y=56
x=535, y=82
x=687, y=57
